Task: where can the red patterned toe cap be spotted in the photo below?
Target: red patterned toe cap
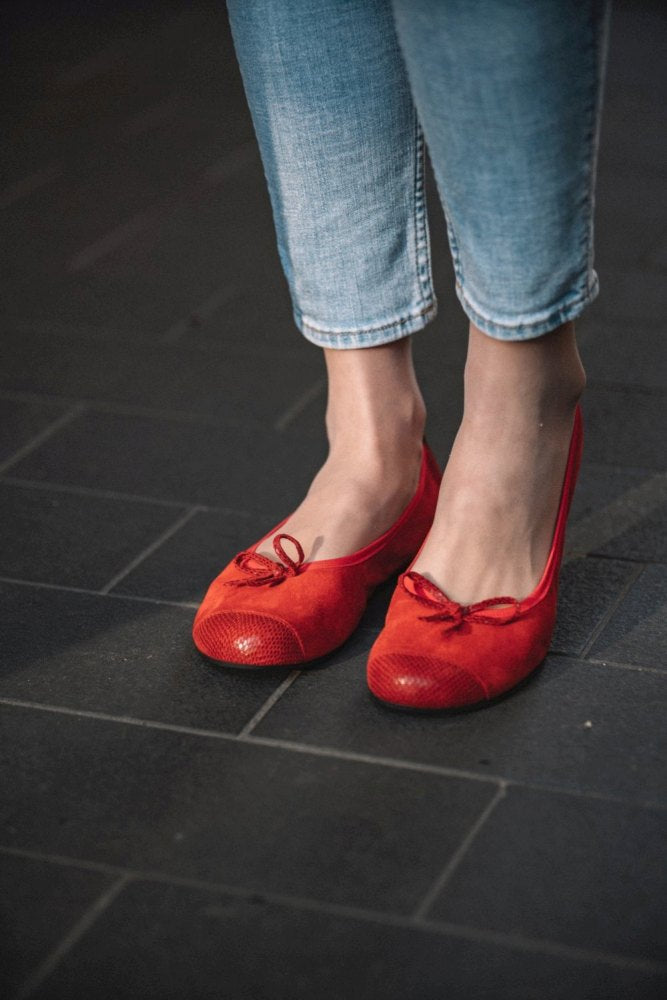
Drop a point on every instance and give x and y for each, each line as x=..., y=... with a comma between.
x=422, y=682
x=247, y=639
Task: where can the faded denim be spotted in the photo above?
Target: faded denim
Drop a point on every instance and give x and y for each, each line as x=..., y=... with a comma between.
x=507, y=94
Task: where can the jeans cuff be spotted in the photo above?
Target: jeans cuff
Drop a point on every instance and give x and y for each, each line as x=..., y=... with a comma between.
x=370, y=336
x=533, y=325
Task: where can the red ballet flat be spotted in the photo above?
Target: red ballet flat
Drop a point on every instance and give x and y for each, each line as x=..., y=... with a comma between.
x=434, y=653
x=258, y=612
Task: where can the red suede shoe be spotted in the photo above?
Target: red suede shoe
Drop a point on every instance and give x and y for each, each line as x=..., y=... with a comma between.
x=258, y=612
x=434, y=653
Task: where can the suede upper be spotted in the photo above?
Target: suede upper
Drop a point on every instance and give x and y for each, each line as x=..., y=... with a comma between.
x=435, y=653
x=260, y=613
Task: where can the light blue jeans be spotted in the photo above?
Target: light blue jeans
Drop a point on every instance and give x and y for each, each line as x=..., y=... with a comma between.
x=507, y=94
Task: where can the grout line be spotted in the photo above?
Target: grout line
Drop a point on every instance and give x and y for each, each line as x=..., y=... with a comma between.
x=611, y=611
x=420, y=913
x=150, y=549
x=364, y=758
x=96, y=593
x=65, y=861
x=620, y=515
x=299, y=405
x=268, y=704
x=631, y=560
x=43, y=971
x=631, y=387
x=638, y=667
x=354, y=757
x=89, y=491
x=43, y=436
x=304, y=748
x=545, y=946
x=383, y=918
x=126, y=720
x=116, y=408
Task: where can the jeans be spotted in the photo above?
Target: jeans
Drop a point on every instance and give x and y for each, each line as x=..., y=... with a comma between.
x=506, y=94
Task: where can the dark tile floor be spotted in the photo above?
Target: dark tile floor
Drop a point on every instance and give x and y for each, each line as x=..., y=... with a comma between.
x=173, y=830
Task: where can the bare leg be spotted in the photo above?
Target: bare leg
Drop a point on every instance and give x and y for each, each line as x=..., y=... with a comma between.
x=375, y=423
x=500, y=491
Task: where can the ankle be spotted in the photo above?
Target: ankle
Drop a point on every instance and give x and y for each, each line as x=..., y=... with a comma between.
x=376, y=429
x=536, y=380
x=374, y=405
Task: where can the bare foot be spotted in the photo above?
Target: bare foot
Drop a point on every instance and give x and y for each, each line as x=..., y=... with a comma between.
x=375, y=423
x=500, y=492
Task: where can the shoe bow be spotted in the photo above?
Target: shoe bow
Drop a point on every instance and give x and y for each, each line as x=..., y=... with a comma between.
x=453, y=614
x=264, y=571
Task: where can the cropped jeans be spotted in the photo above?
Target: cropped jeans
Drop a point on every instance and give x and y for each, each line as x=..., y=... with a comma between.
x=507, y=96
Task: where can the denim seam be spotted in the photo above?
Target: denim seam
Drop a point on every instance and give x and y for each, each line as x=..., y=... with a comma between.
x=530, y=327
x=422, y=255
x=427, y=309
x=565, y=310
x=599, y=30
x=451, y=236
x=586, y=201
x=427, y=305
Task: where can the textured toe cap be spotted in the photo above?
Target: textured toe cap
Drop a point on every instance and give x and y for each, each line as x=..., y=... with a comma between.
x=422, y=682
x=247, y=639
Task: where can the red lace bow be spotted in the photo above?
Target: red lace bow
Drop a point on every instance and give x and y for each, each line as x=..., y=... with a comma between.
x=264, y=571
x=453, y=614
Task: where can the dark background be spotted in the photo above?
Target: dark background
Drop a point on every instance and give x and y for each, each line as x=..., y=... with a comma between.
x=170, y=829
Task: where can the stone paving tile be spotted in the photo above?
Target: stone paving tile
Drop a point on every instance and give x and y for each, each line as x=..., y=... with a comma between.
x=631, y=295
x=658, y=253
x=633, y=134
x=629, y=217
x=539, y=735
x=637, y=633
x=190, y=461
x=123, y=658
x=171, y=941
x=167, y=252
x=619, y=513
x=21, y=420
x=257, y=818
x=84, y=79
x=39, y=903
x=184, y=565
x=132, y=179
x=624, y=353
x=82, y=541
x=584, y=872
x=174, y=318
x=166, y=378
x=624, y=426
x=199, y=245
x=586, y=590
